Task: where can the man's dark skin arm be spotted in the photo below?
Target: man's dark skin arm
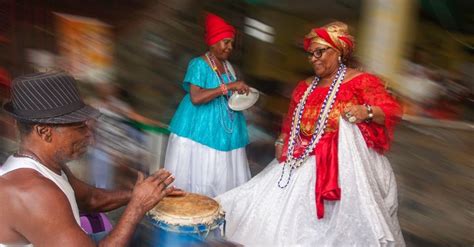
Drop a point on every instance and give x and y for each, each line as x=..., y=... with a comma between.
x=91, y=199
x=45, y=218
x=140, y=203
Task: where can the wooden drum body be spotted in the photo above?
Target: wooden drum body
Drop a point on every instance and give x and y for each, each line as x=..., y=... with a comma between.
x=185, y=220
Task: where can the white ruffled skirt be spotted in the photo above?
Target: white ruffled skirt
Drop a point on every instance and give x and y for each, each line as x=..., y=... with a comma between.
x=200, y=169
x=259, y=213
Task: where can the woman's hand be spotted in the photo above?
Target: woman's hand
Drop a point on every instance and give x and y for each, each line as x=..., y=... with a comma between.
x=278, y=151
x=239, y=86
x=359, y=113
x=356, y=113
x=279, y=146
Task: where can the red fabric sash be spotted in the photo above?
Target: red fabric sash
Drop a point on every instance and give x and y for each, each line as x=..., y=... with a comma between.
x=327, y=169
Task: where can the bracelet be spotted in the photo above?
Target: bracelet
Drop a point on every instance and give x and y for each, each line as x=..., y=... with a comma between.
x=370, y=112
x=279, y=142
x=224, y=89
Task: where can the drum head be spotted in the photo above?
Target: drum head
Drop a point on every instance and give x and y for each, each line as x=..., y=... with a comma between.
x=187, y=210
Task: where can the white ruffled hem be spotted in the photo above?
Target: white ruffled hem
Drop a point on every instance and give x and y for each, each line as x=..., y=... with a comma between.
x=203, y=170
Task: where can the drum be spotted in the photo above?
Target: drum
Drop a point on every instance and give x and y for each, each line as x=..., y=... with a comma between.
x=188, y=220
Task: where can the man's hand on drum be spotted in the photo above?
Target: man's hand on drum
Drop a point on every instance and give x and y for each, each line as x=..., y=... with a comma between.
x=149, y=191
x=239, y=86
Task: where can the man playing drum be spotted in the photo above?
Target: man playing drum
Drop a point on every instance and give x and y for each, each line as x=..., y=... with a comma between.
x=38, y=202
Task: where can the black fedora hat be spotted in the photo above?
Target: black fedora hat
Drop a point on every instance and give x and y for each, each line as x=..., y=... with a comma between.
x=50, y=97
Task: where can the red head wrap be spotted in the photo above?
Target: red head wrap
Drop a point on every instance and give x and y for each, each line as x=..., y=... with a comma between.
x=217, y=29
x=335, y=35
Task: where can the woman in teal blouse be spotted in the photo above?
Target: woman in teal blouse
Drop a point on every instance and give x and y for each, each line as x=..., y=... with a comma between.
x=206, y=148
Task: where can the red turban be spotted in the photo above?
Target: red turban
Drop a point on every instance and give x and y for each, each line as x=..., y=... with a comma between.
x=217, y=29
x=335, y=35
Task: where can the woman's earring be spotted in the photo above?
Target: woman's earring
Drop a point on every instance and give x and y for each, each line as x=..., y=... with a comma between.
x=339, y=59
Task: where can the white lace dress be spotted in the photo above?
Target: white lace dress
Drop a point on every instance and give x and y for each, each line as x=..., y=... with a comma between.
x=259, y=213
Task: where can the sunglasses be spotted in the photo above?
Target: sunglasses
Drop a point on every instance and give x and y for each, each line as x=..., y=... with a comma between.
x=318, y=53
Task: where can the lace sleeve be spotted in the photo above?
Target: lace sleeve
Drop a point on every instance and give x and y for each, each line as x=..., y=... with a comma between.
x=372, y=91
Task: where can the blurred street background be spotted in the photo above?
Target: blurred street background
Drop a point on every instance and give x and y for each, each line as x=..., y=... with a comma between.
x=130, y=56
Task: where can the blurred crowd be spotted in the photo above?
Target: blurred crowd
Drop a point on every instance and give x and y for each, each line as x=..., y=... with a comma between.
x=435, y=92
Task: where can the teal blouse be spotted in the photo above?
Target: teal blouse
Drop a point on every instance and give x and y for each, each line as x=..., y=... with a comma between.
x=212, y=124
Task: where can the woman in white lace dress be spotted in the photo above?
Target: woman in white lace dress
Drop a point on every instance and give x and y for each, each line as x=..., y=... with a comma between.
x=330, y=184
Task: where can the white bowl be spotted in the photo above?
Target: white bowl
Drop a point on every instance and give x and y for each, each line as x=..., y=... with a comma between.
x=240, y=102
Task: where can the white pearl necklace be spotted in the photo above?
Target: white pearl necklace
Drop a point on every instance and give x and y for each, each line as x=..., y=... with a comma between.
x=295, y=162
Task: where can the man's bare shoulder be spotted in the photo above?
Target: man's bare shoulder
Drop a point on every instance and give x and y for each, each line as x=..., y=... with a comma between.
x=33, y=193
x=27, y=198
x=34, y=199
x=26, y=179
x=8, y=233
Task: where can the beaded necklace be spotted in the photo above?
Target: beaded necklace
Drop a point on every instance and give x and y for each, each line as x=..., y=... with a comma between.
x=295, y=162
x=23, y=155
x=224, y=107
x=212, y=61
x=34, y=157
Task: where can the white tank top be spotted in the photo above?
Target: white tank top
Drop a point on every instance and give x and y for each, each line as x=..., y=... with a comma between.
x=14, y=163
